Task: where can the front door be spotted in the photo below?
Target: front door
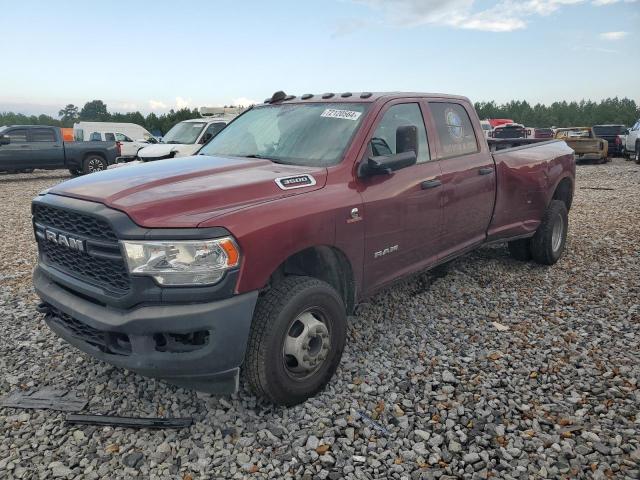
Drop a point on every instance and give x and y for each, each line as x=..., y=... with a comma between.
x=468, y=178
x=402, y=210
x=16, y=155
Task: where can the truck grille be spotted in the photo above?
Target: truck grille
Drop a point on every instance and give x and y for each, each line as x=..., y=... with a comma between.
x=101, y=263
x=73, y=222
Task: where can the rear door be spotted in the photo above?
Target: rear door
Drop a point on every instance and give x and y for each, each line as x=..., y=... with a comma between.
x=468, y=176
x=46, y=148
x=16, y=155
x=402, y=210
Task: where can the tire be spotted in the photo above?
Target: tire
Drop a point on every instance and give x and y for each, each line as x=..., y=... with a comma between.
x=638, y=152
x=520, y=249
x=75, y=172
x=291, y=309
x=93, y=163
x=547, y=245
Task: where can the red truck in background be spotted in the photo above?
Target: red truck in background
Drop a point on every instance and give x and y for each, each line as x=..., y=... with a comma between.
x=250, y=255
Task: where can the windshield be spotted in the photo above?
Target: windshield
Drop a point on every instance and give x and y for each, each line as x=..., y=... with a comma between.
x=184, y=132
x=298, y=134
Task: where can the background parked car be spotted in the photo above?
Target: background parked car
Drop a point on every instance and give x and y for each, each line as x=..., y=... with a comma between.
x=584, y=142
x=509, y=130
x=132, y=137
x=129, y=148
x=186, y=138
x=533, y=132
x=610, y=134
x=631, y=142
x=486, y=128
x=25, y=147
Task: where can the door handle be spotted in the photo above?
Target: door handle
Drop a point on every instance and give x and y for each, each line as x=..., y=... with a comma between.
x=432, y=183
x=485, y=171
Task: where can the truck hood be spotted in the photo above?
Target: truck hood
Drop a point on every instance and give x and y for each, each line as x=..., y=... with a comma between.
x=165, y=150
x=184, y=192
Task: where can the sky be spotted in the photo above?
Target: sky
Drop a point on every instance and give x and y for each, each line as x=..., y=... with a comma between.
x=156, y=55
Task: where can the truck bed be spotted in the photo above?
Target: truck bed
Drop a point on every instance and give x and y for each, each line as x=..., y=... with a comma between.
x=528, y=172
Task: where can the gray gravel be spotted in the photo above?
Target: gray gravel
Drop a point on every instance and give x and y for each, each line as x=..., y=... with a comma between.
x=428, y=386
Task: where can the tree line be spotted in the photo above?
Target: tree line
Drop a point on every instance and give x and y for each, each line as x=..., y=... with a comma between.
x=585, y=113
x=96, y=111
x=559, y=114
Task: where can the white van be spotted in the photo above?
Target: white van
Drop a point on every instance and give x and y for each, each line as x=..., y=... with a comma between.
x=185, y=138
x=132, y=137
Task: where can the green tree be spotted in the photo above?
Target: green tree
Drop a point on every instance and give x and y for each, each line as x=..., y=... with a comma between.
x=68, y=115
x=95, y=110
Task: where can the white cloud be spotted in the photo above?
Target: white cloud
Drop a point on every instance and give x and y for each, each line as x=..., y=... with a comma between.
x=243, y=102
x=612, y=36
x=183, y=102
x=157, y=105
x=600, y=3
x=503, y=16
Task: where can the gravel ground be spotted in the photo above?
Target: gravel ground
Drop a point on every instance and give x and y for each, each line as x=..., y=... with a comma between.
x=446, y=394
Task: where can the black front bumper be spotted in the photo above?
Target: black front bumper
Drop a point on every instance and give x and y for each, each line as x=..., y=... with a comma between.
x=195, y=345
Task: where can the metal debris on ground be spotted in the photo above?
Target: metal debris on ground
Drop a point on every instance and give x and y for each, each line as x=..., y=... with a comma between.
x=129, y=422
x=372, y=423
x=47, y=398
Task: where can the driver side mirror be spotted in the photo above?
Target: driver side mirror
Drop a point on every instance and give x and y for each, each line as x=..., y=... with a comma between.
x=626, y=131
x=405, y=156
x=4, y=140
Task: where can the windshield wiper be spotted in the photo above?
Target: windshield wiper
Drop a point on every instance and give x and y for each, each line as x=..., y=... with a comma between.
x=263, y=157
x=172, y=142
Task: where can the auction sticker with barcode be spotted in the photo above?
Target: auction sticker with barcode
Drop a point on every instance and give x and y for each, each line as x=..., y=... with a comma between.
x=344, y=114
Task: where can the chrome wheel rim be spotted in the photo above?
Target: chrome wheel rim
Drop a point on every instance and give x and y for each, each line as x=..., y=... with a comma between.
x=306, y=345
x=95, y=165
x=556, y=233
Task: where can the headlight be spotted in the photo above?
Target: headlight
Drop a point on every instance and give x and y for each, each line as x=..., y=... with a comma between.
x=182, y=262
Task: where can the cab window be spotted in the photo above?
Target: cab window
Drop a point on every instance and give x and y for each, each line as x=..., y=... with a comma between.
x=383, y=141
x=109, y=137
x=454, y=129
x=211, y=131
x=122, y=138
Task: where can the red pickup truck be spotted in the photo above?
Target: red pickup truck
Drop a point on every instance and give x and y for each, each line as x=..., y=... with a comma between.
x=249, y=255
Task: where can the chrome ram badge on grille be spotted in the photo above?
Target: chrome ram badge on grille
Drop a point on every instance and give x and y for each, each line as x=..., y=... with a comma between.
x=65, y=240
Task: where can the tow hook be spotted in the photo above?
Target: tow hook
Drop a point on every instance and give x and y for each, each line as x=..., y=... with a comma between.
x=43, y=308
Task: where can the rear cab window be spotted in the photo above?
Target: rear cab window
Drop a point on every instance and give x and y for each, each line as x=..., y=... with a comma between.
x=454, y=129
x=42, y=135
x=383, y=140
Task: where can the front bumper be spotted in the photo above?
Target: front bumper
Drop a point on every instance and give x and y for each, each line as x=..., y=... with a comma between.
x=194, y=345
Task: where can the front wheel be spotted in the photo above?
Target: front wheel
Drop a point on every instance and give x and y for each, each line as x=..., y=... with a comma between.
x=296, y=340
x=637, y=152
x=547, y=245
x=94, y=163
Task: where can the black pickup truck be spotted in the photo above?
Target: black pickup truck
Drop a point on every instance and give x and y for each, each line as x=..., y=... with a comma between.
x=24, y=148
